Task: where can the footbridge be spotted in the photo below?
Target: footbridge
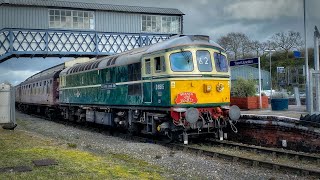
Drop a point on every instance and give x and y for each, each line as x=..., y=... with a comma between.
x=70, y=43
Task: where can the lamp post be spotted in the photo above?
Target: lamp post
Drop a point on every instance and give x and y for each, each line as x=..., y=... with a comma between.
x=316, y=67
x=270, y=50
x=308, y=96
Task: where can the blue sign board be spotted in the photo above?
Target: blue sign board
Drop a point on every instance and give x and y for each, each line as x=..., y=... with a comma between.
x=244, y=62
x=297, y=54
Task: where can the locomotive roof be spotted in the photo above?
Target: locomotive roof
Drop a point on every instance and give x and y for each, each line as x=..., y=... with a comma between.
x=135, y=55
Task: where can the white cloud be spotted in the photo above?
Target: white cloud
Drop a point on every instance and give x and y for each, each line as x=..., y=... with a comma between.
x=249, y=30
x=264, y=10
x=312, y=9
x=15, y=77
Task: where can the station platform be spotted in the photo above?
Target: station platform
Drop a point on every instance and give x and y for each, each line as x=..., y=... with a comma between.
x=293, y=112
x=266, y=127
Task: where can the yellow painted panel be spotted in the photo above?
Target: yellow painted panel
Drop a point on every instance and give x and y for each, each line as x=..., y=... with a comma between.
x=206, y=91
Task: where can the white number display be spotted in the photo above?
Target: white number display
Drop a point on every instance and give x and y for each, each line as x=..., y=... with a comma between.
x=205, y=60
x=159, y=86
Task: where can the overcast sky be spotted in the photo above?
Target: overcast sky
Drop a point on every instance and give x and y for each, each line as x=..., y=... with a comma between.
x=259, y=19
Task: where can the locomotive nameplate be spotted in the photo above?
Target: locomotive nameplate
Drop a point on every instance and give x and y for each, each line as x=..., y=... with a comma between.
x=186, y=98
x=108, y=86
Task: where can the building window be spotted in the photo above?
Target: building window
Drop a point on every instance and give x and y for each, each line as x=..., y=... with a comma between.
x=71, y=19
x=160, y=24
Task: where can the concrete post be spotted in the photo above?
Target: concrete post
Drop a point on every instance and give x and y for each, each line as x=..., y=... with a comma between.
x=316, y=68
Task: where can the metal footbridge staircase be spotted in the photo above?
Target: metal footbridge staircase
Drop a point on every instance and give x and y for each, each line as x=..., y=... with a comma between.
x=70, y=43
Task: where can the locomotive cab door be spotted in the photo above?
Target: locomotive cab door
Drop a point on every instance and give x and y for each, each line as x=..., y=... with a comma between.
x=147, y=83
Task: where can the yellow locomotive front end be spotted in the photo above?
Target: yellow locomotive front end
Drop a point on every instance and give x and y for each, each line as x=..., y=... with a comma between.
x=202, y=77
x=199, y=88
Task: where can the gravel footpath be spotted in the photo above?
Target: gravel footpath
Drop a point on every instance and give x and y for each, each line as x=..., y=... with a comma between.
x=180, y=165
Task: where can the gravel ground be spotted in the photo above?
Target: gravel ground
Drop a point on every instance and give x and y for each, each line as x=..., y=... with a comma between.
x=180, y=165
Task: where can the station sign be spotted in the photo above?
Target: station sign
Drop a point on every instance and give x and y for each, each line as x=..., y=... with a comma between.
x=297, y=54
x=280, y=70
x=244, y=62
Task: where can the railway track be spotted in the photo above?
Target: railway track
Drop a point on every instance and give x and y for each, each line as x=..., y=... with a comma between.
x=247, y=160
x=205, y=150
x=270, y=151
x=295, y=156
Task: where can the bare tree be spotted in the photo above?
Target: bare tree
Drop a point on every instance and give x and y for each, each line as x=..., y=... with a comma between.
x=287, y=41
x=235, y=43
x=245, y=44
x=256, y=46
x=259, y=48
x=224, y=42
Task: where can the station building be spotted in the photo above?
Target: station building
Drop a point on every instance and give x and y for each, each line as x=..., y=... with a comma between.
x=44, y=14
x=43, y=27
x=249, y=72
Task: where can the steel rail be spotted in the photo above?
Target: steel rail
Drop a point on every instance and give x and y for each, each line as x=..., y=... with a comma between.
x=246, y=160
x=271, y=151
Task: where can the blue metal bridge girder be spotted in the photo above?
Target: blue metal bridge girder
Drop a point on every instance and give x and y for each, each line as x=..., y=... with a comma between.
x=70, y=43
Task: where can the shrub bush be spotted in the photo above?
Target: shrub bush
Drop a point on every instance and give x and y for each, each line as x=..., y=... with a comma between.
x=280, y=95
x=243, y=88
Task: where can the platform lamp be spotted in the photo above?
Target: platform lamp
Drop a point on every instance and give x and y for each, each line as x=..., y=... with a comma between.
x=270, y=50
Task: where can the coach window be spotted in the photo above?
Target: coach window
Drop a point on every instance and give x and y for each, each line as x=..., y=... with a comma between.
x=181, y=61
x=38, y=89
x=221, y=62
x=159, y=64
x=45, y=87
x=148, y=66
x=204, y=61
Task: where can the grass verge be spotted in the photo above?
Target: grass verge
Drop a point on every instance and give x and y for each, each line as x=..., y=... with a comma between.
x=18, y=148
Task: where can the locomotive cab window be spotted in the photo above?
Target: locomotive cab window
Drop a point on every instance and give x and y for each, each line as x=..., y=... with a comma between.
x=160, y=65
x=181, y=61
x=204, y=61
x=147, y=66
x=221, y=62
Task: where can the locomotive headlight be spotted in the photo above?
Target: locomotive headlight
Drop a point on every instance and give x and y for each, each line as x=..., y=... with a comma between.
x=220, y=87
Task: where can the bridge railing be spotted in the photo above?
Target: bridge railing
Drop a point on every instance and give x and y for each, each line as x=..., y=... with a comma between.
x=46, y=43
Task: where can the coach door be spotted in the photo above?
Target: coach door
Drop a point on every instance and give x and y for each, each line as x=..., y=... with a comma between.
x=147, y=80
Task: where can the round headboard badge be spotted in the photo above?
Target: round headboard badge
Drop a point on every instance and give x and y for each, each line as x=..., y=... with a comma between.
x=220, y=87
